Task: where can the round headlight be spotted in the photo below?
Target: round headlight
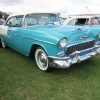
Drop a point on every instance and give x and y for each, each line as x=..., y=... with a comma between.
x=63, y=42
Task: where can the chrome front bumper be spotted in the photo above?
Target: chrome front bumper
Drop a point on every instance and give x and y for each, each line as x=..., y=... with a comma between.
x=66, y=62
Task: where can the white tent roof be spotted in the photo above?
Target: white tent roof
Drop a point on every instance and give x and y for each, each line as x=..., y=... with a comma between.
x=83, y=11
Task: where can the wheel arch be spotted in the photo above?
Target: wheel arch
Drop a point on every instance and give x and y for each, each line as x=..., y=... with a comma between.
x=33, y=49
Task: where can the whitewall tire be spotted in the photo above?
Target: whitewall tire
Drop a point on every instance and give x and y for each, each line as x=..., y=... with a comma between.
x=41, y=59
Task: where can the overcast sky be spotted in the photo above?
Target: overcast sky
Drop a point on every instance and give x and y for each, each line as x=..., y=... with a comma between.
x=64, y=6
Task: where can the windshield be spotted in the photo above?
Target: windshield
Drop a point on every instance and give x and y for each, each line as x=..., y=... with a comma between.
x=42, y=19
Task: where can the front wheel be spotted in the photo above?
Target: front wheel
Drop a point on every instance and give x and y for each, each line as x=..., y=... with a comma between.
x=41, y=59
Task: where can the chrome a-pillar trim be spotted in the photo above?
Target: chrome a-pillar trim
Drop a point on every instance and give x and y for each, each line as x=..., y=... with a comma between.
x=66, y=62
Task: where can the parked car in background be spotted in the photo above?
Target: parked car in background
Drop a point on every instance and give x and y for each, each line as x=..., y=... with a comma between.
x=85, y=23
x=42, y=36
x=83, y=20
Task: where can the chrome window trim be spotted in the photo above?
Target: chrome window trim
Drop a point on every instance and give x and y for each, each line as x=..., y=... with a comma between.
x=13, y=17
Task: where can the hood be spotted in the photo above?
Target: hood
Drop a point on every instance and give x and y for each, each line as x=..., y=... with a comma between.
x=73, y=34
x=92, y=30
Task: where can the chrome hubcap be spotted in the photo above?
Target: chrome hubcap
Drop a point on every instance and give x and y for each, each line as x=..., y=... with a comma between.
x=42, y=59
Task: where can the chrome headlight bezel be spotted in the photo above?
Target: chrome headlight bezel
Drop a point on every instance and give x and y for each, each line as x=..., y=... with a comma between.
x=63, y=42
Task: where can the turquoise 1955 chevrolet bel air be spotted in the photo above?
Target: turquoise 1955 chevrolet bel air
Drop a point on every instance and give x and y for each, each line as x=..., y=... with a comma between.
x=42, y=36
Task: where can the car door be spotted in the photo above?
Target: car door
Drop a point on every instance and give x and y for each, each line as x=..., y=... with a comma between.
x=15, y=32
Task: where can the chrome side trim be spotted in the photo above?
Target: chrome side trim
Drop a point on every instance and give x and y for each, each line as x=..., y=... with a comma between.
x=35, y=39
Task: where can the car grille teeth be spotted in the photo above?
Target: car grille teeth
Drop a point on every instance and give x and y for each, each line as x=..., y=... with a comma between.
x=80, y=47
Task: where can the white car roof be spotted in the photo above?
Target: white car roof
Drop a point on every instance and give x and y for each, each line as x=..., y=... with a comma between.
x=25, y=13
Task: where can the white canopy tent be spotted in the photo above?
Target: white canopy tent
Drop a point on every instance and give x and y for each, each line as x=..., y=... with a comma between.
x=82, y=11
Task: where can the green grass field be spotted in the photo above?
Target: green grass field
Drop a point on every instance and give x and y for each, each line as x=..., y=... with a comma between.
x=20, y=79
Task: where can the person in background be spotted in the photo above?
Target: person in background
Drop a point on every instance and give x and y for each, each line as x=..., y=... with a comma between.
x=94, y=21
x=2, y=21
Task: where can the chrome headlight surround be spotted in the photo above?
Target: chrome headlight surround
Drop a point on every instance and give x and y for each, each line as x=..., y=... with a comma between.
x=63, y=42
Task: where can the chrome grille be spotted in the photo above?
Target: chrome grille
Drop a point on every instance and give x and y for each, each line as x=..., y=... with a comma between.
x=81, y=46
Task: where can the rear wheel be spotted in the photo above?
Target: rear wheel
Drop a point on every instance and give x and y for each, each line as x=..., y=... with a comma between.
x=41, y=59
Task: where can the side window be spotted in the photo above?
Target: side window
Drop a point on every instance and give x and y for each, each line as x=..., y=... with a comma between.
x=15, y=21
x=72, y=22
x=81, y=21
x=30, y=20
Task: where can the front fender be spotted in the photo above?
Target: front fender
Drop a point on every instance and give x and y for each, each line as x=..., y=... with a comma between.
x=50, y=49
